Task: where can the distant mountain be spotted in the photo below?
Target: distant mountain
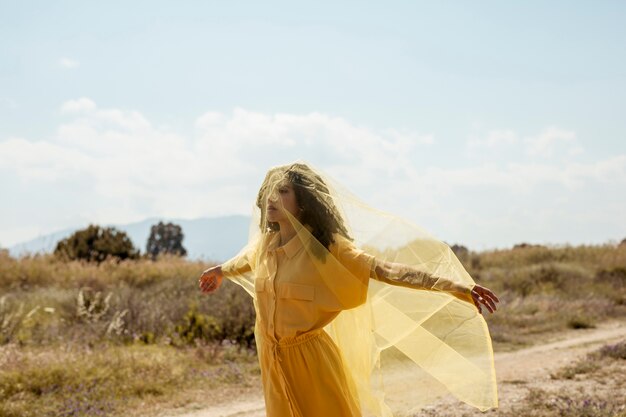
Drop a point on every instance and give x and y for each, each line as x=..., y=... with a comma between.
x=217, y=238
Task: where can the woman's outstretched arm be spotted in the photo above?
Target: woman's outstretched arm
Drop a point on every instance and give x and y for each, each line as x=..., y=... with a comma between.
x=211, y=279
x=407, y=276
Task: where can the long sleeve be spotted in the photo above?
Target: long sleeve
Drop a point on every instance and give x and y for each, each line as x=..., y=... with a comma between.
x=407, y=276
x=240, y=263
x=235, y=266
x=365, y=266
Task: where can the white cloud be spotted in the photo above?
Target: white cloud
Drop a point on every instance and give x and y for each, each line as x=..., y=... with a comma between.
x=246, y=139
x=209, y=119
x=42, y=161
x=128, y=168
x=81, y=105
x=493, y=139
x=547, y=141
x=135, y=169
x=575, y=150
x=68, y=63
x=408, y=136
x=611, y=170
x=525, y=177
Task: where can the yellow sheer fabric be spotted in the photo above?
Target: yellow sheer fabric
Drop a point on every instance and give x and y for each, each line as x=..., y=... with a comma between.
x=393, y=303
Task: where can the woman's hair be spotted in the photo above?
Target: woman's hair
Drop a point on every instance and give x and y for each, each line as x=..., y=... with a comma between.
x=313, y=197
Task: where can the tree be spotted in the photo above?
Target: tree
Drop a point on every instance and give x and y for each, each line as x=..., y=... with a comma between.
x=165, y=238
x=95, y=244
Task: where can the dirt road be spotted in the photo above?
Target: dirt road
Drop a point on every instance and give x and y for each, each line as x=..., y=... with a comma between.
x=514, y=370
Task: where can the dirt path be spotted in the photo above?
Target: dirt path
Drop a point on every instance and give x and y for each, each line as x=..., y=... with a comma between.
x=521, y=370
x=539, y=361
x=513, y=369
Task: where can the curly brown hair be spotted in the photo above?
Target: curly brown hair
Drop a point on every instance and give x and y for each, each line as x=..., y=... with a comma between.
x=313, y=197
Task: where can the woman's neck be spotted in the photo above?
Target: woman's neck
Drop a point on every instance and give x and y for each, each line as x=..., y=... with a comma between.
x=287, y=232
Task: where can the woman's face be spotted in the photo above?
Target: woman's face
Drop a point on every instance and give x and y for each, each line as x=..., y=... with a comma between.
x=284, y=200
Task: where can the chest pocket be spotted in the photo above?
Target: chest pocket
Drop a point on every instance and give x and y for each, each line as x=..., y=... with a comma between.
x=296, y=291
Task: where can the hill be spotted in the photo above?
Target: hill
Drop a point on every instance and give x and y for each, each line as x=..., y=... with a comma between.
x=215, y=238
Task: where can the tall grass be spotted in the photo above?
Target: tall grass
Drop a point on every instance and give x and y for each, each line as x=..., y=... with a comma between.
x=105, y=380
x=547, y=289
x=43, y=300
x=80, y=339
x=84, y=339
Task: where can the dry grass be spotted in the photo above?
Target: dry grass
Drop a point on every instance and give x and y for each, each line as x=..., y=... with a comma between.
x=545, y=290
x=593, y=386
x=70, y=380
x=85, y=339
x=43, y=300
x=600, y=390
x=598, y=363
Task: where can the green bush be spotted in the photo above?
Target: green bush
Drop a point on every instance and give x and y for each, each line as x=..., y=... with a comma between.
x=96, y=244
x=198, y=326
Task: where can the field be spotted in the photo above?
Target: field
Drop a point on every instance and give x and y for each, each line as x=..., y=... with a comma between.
x=136, y=338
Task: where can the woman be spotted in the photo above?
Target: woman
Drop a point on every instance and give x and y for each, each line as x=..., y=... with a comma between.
x=321, y=326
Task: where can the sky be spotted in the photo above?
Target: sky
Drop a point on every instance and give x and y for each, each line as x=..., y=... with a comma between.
x=486, y=123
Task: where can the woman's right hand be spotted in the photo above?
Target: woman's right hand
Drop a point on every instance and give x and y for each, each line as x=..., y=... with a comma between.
x=211, y=279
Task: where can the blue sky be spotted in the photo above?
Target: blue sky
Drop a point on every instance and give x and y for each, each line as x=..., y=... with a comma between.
x=486, y=123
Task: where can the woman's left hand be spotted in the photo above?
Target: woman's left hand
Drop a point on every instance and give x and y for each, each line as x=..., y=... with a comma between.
x=482, y=295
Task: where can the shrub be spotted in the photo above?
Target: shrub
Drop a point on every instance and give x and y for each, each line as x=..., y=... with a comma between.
x=615, y=277
x=197, y=326
x=616, y=351
x=96, y=244
x=579, y=322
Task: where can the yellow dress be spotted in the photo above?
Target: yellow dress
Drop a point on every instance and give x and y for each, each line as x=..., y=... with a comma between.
x=333, y=342
x=301, y=368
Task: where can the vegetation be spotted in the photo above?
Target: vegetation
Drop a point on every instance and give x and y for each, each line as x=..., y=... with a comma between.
x=96, y=244
x=547, y=289
x=80, y=338
x=604, y=367
x=593, y=386
x=45, y=300
x=64, y=322
x=594, y=361
x=165, y=239
x=109, y=379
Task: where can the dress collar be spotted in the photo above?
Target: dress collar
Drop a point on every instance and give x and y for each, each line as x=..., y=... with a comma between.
x=294, y=244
